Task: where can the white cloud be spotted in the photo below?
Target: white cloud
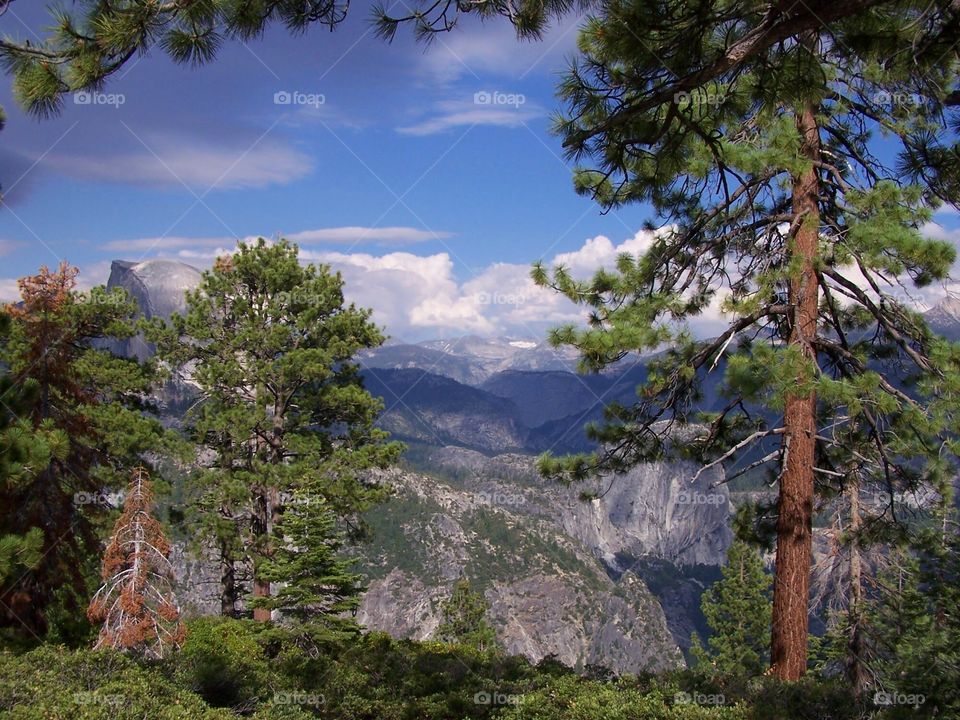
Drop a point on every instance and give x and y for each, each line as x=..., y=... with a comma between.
x=939, y=232
x=177, y=161
x=420, y=296
x=450, y=114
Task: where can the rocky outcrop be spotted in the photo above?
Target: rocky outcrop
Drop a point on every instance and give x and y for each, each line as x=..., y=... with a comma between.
x=159, y=287
x=653, y=510
x=547, y=595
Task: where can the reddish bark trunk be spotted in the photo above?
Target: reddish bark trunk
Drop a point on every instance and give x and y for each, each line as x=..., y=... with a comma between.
x=791, y=590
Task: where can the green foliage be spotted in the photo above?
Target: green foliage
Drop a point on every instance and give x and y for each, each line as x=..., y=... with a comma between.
x=72, y=423
x=232, y=669
x=738, y=612
x=573, y=698
x=270, y=344
x=464, y=619
x=59, y=684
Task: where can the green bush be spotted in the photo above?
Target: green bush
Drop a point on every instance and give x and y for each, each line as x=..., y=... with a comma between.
x=54, y=683
x=575, y=698
x=230, y=669
x=223, y=662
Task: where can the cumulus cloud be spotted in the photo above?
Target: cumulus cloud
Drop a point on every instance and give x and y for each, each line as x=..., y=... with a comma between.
x=421, y=296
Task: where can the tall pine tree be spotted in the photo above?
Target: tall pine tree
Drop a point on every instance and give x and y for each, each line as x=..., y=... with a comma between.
x=270, y=342
x=748, y=128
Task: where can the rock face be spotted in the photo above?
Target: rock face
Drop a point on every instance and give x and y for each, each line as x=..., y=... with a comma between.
x=654, y=510
x=547, y=595
x=158, y=286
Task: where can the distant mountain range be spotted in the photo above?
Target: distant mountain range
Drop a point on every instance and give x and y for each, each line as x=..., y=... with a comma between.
x=487, y=394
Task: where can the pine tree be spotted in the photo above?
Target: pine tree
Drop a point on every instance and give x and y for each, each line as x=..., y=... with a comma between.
x=269, y=342
x=81, y=424
x=317, y=583
x=464, y=619
x=135, y=606
x=738, y=610
x=747, y=128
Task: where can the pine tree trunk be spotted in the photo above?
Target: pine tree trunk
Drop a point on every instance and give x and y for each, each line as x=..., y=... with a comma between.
x=791, y=588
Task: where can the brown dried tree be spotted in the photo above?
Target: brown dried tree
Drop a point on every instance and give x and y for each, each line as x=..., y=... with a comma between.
x=136, y=604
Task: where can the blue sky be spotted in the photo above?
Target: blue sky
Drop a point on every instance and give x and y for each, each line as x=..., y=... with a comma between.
x=183, y=161
x=428, y=176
